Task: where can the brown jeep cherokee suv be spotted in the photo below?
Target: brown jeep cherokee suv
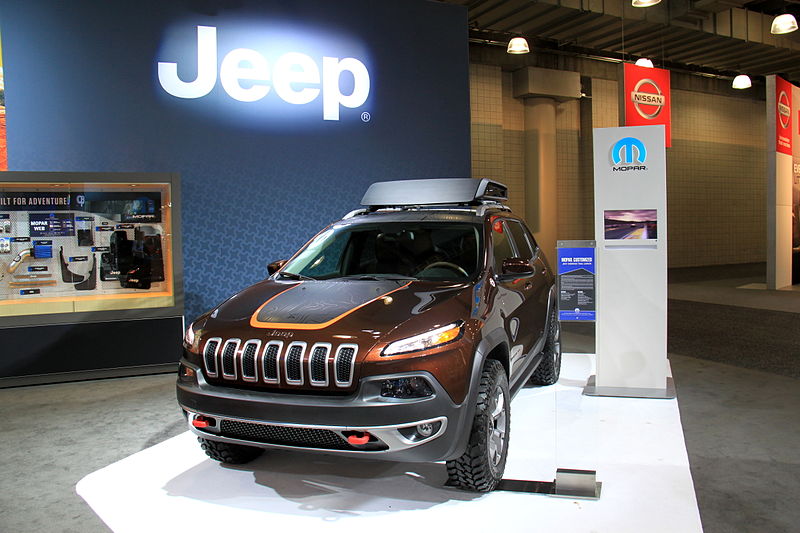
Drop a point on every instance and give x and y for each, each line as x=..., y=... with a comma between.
x=400, y=332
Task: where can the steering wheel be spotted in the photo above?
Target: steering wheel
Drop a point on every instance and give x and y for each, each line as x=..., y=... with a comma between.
x=447, y=264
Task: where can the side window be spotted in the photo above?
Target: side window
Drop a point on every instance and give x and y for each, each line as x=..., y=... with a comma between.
x=531, y=240
x=501, y=244
x=524, y=247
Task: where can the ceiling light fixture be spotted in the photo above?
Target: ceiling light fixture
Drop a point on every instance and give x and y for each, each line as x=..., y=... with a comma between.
x=785, y=23
x=644, y=3
x=742, y=81
x=518, y=45
x=644, y=62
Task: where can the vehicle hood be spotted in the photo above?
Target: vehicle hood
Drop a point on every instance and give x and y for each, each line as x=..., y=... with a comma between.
x=352, y=308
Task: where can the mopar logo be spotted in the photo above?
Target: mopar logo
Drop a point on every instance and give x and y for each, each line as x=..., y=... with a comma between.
x=626, y=153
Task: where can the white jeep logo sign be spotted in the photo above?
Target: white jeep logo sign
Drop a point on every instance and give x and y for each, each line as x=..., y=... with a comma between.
x=250, y=66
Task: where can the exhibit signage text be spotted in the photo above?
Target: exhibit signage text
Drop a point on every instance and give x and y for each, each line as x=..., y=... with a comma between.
x=576, y=282
x=247, y=76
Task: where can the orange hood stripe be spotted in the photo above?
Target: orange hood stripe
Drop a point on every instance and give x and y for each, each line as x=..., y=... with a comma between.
x=254, y=322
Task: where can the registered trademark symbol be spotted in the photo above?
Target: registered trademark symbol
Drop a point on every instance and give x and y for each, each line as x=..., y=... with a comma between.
x=366, y=117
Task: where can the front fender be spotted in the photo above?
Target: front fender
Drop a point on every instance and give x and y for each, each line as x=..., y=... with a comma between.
x=494, y=340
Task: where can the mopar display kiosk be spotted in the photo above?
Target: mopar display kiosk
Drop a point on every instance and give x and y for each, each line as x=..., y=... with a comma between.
x=630, y=230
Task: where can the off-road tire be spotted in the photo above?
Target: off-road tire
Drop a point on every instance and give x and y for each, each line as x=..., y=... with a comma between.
x=475, y=470
x=231, y=454
x=550, y=368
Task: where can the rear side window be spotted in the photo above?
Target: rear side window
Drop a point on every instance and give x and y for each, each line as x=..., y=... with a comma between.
x=518, y=233
x=501, y=244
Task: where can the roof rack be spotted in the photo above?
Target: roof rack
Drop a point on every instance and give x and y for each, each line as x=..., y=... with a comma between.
x=478, y=211
x=434, y=192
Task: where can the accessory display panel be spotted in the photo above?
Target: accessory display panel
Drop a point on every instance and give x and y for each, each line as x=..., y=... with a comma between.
x=84, y=247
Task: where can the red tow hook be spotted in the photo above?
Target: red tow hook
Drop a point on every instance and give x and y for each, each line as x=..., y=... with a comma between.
x=201, y=422
x=358, y=440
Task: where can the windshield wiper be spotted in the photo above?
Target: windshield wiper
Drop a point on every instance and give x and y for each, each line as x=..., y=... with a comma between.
x=299, y=277
x=379, y=277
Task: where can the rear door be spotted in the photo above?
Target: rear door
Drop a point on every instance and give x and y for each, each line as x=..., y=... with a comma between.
x=517, y=294
x=535, y=287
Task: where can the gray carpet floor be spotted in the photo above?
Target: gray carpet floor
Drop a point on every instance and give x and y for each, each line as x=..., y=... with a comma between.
x=54, y=435
x=751, y=338
x=742, y=433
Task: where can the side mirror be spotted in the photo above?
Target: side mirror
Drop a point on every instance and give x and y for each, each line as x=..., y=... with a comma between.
x=275, y=266
x=515, y=267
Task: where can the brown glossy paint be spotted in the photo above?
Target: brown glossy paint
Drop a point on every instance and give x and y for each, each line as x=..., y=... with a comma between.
x=410, y=309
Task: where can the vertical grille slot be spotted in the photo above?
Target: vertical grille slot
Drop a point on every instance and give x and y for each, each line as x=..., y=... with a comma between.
x=210, y=356
x=318, y=364
x=229, y=358
x=343, y=364
x=270, y=361
x=249, y=353
x=294, y=363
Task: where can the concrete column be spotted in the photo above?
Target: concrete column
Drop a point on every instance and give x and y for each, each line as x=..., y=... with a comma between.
x=541, y=187
x=542, y=90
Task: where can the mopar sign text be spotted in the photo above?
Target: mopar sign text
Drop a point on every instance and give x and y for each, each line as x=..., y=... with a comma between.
x=246, y=75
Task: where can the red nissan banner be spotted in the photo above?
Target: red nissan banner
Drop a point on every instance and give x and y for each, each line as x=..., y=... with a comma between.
x=783, y=116
x=647, y=99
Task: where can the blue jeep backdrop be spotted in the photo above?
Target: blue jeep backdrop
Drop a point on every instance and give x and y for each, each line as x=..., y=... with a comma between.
x=276, y=114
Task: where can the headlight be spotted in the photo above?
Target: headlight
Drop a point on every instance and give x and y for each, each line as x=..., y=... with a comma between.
x=189, y=336
x=426, y=341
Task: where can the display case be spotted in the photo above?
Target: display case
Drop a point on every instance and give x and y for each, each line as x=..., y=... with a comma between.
x=86, y=252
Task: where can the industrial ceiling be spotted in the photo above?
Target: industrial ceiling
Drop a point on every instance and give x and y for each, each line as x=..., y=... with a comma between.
x=714, y=36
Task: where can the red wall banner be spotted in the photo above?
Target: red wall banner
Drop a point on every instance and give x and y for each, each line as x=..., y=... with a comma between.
x=783, y=116
x=646, y=98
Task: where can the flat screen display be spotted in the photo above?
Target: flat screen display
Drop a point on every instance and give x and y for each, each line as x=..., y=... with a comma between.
x=630, y=224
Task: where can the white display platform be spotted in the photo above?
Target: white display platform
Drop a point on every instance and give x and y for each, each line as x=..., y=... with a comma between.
x=636, y=446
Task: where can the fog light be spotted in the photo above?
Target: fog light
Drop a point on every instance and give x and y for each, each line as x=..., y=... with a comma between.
x=420, y=431
x=425, y=430
x=413, y=387
x=185, y=372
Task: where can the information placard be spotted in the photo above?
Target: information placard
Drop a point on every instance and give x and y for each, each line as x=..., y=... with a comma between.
x=576, y=281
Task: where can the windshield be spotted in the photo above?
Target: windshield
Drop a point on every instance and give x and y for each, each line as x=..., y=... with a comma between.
x=428, y=251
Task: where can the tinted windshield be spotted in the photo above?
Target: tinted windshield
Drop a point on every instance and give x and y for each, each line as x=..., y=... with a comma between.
x=429, y=251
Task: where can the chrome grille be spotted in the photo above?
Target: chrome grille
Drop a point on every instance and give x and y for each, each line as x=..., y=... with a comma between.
x=343, y=362
x=210, y=356
x=295, y=364
x=229, y=358
x=249, y=360
x=270, y=362
x=318, y=364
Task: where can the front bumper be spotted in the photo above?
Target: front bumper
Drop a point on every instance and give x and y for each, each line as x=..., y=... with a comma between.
x=323, y=423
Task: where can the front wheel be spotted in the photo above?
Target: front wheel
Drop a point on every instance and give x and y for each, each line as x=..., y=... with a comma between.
x=231, y=454
x=481, y=466
x=550, y=368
